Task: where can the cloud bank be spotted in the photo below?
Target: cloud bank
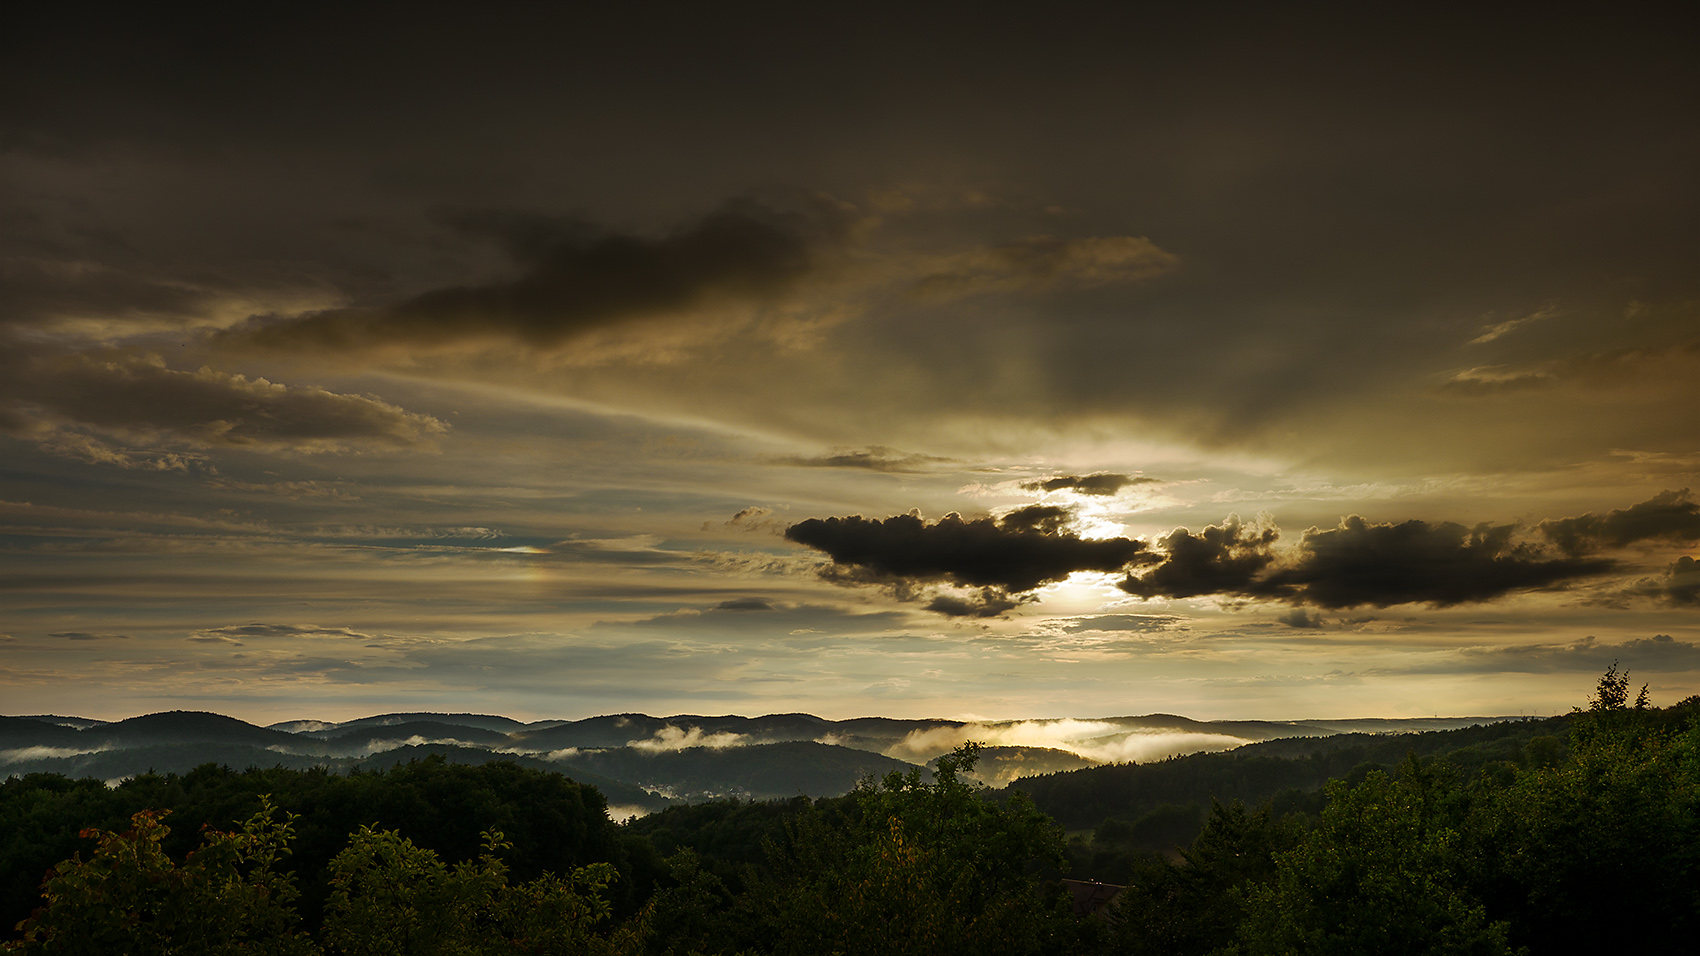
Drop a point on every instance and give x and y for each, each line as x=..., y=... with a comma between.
x=1003, y=558
x=56, y=396
x=1096, y=740
x=575, y=279
x=673, y=737
x=1670, y=515
x=1100, y=483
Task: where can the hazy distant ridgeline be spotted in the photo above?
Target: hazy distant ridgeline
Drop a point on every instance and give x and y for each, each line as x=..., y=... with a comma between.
x=641, y=762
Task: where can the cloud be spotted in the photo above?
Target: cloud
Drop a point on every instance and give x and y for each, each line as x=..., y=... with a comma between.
x=576, y=278
x=744, y=604
x=1103, y=741
x=1673, y=515
x=22, y=754
x=1660, y=652
x=1484, y=379
x=903, y=551
x=1441, y=564
x=292, y=490
x=46, y=291
x=673, y=737
x=1610, y=368
x=1043, y=262
x=1300, y=618
x=1494, y=331
x=1678, y=585
x=989, y=602
x=1126, y=622
x=234, y=632
x=375, y=745
x=872, y=458
x=86, y=636
x=1223, y=558
x=55, y=396
x=752, y=520
x=1100, y=483
x=1046, y=519
x=1355, y=564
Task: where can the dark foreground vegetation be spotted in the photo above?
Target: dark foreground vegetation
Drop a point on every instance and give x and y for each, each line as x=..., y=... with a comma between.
x=1555, y=836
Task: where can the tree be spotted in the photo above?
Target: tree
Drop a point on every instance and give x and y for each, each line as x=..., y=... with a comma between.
x=392, y=898
x=916, y=867
x=226, y=897
x=1609, y=837
x=1382, y=873
x=1197, y=905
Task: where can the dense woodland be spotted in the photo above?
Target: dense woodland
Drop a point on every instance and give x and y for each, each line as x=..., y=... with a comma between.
x=1543, y=836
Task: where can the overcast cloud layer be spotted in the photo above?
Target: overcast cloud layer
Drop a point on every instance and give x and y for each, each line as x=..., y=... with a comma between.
x=1302, y=361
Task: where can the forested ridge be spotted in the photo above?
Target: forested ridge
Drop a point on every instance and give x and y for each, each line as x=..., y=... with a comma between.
x=1541, y=836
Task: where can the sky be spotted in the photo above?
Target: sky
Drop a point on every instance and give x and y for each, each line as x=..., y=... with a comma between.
x=1239, y=361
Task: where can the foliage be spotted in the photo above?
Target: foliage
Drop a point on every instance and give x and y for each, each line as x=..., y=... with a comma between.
x=1196, y=905
x=226, y=897
x=1558, y=855
x=919, y=867
x=1382, y=873
x=555, y=824
x=1573, y=852
x=392, y=898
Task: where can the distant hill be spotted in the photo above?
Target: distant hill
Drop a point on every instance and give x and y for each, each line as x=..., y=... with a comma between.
x=18, y=733
x=755, y=771
x=371, y=737
x=121, y=764
x=150, y=730
x=1268, y=769
x=636, y=756
x=618, y=792
x=480, y=721
x=187, y=727
x=77, y=723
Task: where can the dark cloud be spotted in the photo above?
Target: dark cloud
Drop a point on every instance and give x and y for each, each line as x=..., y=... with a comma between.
x=46, y=394
x=904, y=551
x=86, y=636
x=990, y=602
x=1223, y=558
x=576, y=279
x=1678, y=585
x=744, y=604
x=872, y=458
x=1300, y=618
x=41, y=291
x=1101, y=483
x=1673, y=515
x=1355, y=564
x=1443, y=564
x=749, y=520
x=1046, y=519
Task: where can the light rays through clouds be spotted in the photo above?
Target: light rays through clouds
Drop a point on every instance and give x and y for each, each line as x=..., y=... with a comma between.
x=1322, y=361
